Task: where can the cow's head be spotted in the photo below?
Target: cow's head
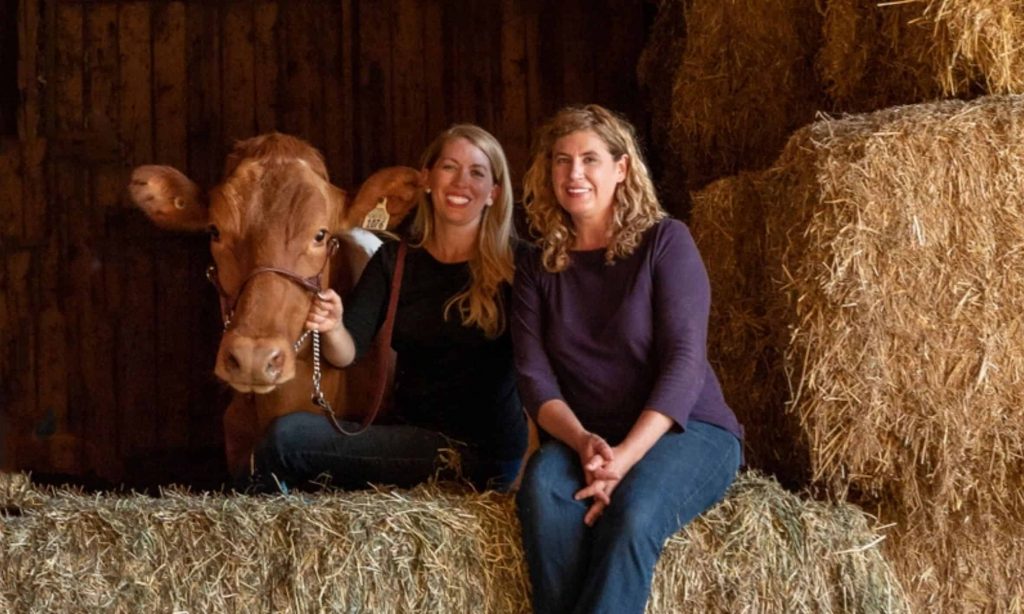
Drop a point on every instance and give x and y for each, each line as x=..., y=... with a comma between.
x=274, y=223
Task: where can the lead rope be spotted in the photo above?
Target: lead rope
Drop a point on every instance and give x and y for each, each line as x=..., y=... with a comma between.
x=383, y=342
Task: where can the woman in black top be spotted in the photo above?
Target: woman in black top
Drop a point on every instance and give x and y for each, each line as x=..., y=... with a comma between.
x=454, y=379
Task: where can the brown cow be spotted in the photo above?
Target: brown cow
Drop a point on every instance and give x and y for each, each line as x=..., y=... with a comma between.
x=278, y=230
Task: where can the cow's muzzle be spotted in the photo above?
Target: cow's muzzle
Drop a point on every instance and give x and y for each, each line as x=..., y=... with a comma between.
x=255, y=364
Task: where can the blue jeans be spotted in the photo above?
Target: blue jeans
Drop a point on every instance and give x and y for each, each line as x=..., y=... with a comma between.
x=608, y=567
x=302, y=447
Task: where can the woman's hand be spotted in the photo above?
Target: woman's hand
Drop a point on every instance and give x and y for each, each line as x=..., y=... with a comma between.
x=325, y=312
x=600, y=471
x=606, y=477
x=594, y=453
x=605, y=472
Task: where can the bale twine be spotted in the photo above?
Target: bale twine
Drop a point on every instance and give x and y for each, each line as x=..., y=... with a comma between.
x=427, y=549
x=888, y=250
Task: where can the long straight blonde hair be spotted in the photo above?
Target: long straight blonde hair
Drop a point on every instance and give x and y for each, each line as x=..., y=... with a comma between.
x=492, y=265
x=635, y=208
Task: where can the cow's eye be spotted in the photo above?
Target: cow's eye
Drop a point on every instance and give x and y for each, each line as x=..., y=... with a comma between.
x=214, y=232
x=320, y=236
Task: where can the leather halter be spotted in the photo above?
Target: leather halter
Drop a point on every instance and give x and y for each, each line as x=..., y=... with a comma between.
x=313, y=283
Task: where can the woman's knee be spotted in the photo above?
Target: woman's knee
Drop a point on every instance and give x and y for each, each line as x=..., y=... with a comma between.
x=284, y=434
x=551, y=478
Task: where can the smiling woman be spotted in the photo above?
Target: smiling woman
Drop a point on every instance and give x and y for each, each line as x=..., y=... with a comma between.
x=454, y=382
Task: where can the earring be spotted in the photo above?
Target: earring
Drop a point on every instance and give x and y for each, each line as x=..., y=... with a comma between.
x=427, y=190
x=488, y=202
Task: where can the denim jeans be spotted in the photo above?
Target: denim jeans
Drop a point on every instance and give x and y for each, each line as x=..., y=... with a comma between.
x=608, y=567
x=301, y=447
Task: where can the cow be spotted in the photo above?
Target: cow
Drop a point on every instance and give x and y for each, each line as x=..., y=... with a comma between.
x=279, y=231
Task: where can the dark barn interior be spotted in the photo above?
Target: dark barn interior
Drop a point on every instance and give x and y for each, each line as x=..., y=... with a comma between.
x=108, y=328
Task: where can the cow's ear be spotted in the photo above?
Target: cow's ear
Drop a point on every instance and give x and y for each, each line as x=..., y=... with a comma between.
x=341, y=204
x=169, y=198
x=401, y=185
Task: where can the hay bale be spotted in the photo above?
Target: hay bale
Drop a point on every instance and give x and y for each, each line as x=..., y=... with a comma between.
x=427, y=549
x=890, y=253
x=972, y=566
x=656, y=74
x=979, y=41
x=744, y=82
x=881, y=54
x=738, y=78
x=874, y=56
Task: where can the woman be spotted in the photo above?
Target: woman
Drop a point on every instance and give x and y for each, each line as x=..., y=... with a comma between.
x=454, y=378
x=609, y=327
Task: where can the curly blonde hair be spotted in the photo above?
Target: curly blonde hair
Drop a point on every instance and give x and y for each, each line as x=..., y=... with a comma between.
x=481, y=303
x=635, y=208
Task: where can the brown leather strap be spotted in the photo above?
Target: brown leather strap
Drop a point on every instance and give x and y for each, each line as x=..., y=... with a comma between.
x=384, y=338
x=383, y=343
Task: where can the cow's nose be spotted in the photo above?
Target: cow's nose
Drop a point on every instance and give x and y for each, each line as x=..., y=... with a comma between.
x=246, y=362
x=274, y=365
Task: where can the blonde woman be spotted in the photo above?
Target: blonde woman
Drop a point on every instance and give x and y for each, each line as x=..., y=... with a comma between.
x=454, y=378
x=609, y=326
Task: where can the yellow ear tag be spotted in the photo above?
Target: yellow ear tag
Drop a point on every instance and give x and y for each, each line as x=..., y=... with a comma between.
x=377, y=219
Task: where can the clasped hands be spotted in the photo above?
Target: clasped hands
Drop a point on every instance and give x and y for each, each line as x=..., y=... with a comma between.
x=603, y=468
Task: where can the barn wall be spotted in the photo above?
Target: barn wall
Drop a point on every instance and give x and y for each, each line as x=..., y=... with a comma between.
x=108, y=328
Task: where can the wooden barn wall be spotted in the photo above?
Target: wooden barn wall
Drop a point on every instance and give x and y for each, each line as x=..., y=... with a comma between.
x=108, y=328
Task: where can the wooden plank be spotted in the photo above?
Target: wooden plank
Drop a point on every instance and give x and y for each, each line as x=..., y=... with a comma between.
x=374, y=135
x=576, y=59
x=514, y=127
x=438, y=116
x=52, y=384
x=67, y=80
x=8, y=70
x=535, y=110
x=102, y=101
x=483, y=64
x=239, y=95
x=175, y=314
x=336, y=36
x=266, y=66
x=409, y=113
x=550, y=60
x=22, y=363
x=302, y=96
x=136, y=373
x=28, y=70
x=135, y=86
x=11, y=188
x=93, y=388
x=208, y=398
x=7, y=346
x=206, y=145
x=174, y=304
x=66, y=196
x=170, y=101
x=29, y=132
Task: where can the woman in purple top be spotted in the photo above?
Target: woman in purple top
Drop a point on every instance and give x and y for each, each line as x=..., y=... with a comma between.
x=609, y=327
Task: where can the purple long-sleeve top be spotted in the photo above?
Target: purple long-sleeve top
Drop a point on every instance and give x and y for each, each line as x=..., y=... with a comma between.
x=613, y=340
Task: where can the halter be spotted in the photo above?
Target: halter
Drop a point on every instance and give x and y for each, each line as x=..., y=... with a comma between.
x=312, y=284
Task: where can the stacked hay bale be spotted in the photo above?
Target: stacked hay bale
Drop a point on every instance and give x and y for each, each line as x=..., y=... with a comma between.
x=425, y=550
x=740, y=77
x=868, y=324
x=736, y=85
